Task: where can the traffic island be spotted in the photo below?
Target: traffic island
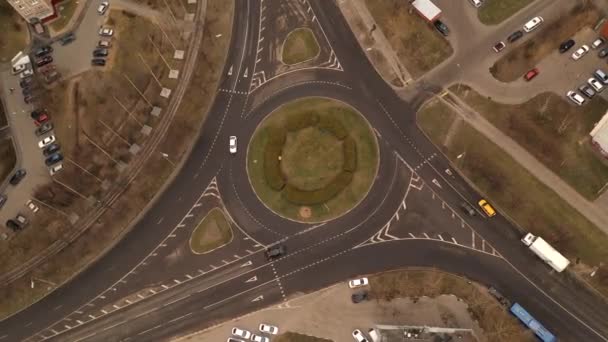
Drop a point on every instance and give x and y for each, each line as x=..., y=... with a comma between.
x=211, y=233
x=312, y=160
x=300, y=46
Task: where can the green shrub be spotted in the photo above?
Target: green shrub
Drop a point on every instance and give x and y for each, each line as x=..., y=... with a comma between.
x=334, y=126
x=272, y=152
x=301, y=120
x=350, y=154
x=301, y=197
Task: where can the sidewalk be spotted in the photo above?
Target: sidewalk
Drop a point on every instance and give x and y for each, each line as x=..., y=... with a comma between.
x=590, y=210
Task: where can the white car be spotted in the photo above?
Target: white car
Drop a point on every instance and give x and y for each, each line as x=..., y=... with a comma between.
x=476, y=3
x=106, y=32
x=597, y=43
x=575, y=97
x=241, y=333
x=46, y=141
x=232, y=144
x=26, y=73
x=33, y=207
x=103, y=7
x=533, y=24
x=358, y=282
x=269, y=329
x=595, y=84
x=358, y=336
x=258, y=338
x=580, y=52
x=55, y=168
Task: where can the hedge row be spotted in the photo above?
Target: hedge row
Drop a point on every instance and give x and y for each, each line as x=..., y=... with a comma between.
x=301, y=197
x=298, y=121
x=334, y=126
x=350, y=154
x=272, y=152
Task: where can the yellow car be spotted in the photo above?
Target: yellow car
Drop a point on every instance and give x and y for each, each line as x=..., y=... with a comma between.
x=487, y=208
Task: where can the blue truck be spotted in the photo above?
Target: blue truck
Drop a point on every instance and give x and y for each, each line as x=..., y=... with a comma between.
x=539, y=330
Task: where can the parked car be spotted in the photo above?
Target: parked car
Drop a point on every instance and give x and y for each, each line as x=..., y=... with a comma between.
x=603, y=52
x=241, y=333
x=531, y=74
x=46, y=141
x=567, y=45
x=29, y=98
x=17, y=176
x=258, y=338
x=269, y=329
x=98, y=62
x=21, y=220
x=26, y=82
x=533, y=24
x=104, y=43
x=578, y=54
x=44, y=128
x=32, y=206
x=586, y=90
x=52, y=77
x=595, y=84
x=576, y=98
x=37, y=113
x=499, y=46
x=55, y=168
x=232, y=144
x=601, y=76
x=275, y=252
x=43, y=50
x=515, y=36
x=358, y=282
x=67, y=39
x=42, y=118
x=101, y=52
x=44, y=61
x=358, y=336
x=12, y=225
x=47, y=69
x=597, y=43
x=359, y=297
x=52, y=148
x=487, y=208
x=53, y=159
x=26, y=73
x=467, y=208
x=19, y=68
x=476, y=3
x=103, y=7
x=441, y=27
x=106, y=32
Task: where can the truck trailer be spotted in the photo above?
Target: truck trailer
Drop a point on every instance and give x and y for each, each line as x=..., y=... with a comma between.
x=544, y=251
x=539, y=330
x=427, y=9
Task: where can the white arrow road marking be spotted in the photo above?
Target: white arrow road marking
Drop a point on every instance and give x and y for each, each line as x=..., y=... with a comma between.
x=436, y=182
x=230, y=71
x=252, y=279
x=248, y=263
x=246, y=72
x=258, y=298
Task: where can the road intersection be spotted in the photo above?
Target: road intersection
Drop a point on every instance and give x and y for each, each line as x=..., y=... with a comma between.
x=143, y=290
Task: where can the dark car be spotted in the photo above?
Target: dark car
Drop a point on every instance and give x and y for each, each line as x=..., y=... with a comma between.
x=587, y=91
x=29, y=90
x=603, y=52
x=26, y=82
x=45, y=50
x=53, y=159
x=17, y=177
x=358, y=297
x=44, y=61
x=52, y=148
x=467, y=208
x=67, y=39
x=44, y=128
x=275, y=252
x=441, y=27
x=98, y=61
x=102, y=52
x=37, y=113
x=567, y=45
x=515, y=36
x=12, y=225
x=30, y=98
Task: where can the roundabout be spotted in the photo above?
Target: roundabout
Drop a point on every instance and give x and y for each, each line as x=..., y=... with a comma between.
x=312, y=159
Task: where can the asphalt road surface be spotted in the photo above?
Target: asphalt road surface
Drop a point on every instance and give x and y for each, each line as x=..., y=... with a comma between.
x=366, y=240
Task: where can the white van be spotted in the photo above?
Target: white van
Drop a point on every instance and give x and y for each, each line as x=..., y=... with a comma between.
x=373, y=334
x=533, y=24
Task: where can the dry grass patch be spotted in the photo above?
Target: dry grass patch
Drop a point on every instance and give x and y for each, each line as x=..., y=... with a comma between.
x=212, y=232
x=7, y=158
x=300, y=45
x=524, y=57
x=494, y=12
x=417, y=44
x=296, y=337
x=66, y=10
x=13, y=32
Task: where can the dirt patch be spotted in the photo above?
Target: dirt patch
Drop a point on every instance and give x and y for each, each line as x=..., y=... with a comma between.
x=66, y=10
x=417, y=44
x=527, y=55
x=7, y=158
x=13, y=32
x=305, y=212
x=295, y=337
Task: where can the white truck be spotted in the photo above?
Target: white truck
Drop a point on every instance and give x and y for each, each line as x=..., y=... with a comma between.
x=544, y=251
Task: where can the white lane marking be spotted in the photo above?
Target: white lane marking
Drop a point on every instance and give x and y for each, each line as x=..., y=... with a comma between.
x=180, y=317
x=161, y=220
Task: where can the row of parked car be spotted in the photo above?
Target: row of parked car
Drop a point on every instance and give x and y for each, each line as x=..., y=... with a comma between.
x=248, y=335
x=50, y=148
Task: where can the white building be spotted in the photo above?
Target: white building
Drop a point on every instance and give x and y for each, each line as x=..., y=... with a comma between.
x=599, y=135
x=33, y=9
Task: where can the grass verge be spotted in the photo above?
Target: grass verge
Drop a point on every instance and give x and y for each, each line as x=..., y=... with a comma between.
x=3, y=115
x=212, y=232
x=66, y=10
x=494, y=12
x=156, y=171
x=497, y=323
x=366, y=151
x=7, y=158
x=526, y=56
x=419, y=47
x=13, y=32
x=553, y=131
x=534, y=206
x=300, y=45
x=295, y=337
